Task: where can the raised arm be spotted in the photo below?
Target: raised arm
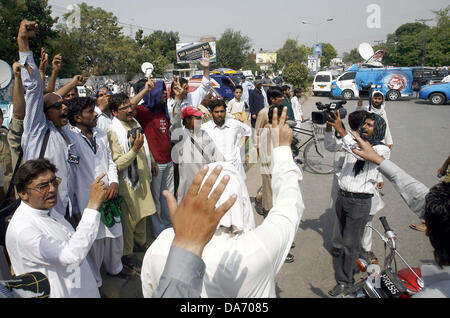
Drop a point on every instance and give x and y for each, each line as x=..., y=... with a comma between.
x=149, y=85
x=18, y=93
x=56, y=66
x=77, y=80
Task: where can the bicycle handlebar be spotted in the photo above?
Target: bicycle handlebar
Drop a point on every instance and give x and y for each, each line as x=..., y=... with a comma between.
x=385, y=224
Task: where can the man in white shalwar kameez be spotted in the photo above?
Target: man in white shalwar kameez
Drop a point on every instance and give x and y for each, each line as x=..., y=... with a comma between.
x=40, y=239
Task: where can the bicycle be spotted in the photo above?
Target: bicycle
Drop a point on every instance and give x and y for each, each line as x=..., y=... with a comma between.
x=315, y=156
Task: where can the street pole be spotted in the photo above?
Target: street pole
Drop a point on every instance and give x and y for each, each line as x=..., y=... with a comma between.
x=423, y=53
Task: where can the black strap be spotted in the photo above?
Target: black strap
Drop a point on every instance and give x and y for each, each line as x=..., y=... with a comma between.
x=11, y=183
x=208, y=160
x=44, y=144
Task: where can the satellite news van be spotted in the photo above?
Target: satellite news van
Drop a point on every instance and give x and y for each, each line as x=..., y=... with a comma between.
x=393, y=82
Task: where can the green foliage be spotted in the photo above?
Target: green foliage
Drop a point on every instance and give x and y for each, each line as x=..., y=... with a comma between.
x=291, y=52
x=12, y=12
x=233, y=49
x=296, y=73
x=352, y=57
x=328, y=53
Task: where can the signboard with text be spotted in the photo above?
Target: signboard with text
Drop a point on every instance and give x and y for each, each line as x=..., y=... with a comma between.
x=193, y=52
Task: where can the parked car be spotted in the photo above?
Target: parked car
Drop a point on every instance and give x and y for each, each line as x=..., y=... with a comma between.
x=437, y=94
x=322, y=83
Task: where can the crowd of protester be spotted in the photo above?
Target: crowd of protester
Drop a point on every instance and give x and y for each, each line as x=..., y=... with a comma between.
x=92, y=173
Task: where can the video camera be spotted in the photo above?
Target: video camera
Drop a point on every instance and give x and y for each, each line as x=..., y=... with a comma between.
x=328, y=110
x=133, y=132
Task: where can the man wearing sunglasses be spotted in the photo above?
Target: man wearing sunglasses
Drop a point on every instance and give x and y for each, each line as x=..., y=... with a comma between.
x=102, y=109
x=40, y=239
x=44, y=120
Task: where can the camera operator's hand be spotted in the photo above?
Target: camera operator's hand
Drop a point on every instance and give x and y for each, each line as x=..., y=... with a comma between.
x=366, y=151
x=281, y=132
x=195, y=220
x=336, y=122
x=138, y=142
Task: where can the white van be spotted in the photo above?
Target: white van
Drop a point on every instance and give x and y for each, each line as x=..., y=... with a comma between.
x=322, y=83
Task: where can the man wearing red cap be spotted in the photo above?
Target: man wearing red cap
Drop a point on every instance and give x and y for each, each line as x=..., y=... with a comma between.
x=193, y=148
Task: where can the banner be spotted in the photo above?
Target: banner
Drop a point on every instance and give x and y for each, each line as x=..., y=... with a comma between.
x=266, y=58
x=192, y=52
x=317, y=49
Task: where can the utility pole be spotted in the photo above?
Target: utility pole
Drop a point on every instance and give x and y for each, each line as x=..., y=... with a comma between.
x=423, y=50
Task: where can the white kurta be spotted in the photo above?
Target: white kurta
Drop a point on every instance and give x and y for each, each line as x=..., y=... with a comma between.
x=227, y=138
x=43, y=241
x=91, y=166
x=243, y=265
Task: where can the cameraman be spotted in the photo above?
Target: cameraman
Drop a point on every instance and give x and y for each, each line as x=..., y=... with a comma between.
x=357, y=185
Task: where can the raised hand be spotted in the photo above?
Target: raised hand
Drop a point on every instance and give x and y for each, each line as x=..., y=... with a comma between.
x=57, y=62
x=43, y=64
x=195, y=220
x=204, y=62
x=17, y=69
x=280, y=132
x=177, y=89
x=27, y=29
x=79, y=80
x=150, y=84
x=366, y=151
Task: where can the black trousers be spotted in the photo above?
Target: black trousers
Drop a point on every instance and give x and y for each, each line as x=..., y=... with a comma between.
x=352, y=214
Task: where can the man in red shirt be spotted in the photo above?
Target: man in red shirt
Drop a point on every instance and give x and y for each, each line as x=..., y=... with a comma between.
x=153, y=116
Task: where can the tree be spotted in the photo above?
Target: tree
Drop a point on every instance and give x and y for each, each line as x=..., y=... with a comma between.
x=352, y=57
x=159, y=48
x=12, y=12
x=296, y=73
x=328, y=53
x=232, y=49
x=291, y=52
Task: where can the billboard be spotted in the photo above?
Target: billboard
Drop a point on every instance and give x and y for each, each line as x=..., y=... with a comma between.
x=317, y=49
x=266, y=58
x=192, y=52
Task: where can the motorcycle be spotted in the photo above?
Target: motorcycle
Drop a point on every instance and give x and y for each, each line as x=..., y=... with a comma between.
x=386, y=283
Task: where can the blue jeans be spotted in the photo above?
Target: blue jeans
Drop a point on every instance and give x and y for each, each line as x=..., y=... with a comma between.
x=160, y=220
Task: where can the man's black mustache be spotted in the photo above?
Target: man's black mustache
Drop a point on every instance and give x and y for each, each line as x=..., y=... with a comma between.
x=65, y=116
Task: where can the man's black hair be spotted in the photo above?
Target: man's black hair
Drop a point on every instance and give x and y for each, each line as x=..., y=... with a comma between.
x=356, y=118
x=98, y=92
x=76, y=106
x=216, y=103
x=273, y=92
x=116, y=100
x=285, y=88
x=238, y=87
x=437, y=220
x=30, y=170
x=297, y=90
x=140, y=85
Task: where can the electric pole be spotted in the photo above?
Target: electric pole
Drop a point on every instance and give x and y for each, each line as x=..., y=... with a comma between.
x=423, y=50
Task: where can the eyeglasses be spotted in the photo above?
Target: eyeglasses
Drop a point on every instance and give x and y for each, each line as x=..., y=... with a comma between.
x=45, y=187
x=125, y=107
x=57, y=105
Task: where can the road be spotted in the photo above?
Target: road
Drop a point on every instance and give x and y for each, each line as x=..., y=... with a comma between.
x=421, y=144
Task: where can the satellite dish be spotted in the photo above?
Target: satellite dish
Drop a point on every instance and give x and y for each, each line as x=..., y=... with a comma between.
x=6, y=75
x=365, y=50
x=147, y=69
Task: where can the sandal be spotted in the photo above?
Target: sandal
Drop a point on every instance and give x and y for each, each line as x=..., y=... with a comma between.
x=421, y=227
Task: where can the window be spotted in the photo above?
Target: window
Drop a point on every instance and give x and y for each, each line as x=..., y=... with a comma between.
x=348, y=76
x=322, y=79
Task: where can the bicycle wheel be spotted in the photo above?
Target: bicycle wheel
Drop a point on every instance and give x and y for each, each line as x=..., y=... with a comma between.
x=319, y=160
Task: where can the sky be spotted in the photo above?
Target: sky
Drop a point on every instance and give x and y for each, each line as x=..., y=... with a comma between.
x=267, y=23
